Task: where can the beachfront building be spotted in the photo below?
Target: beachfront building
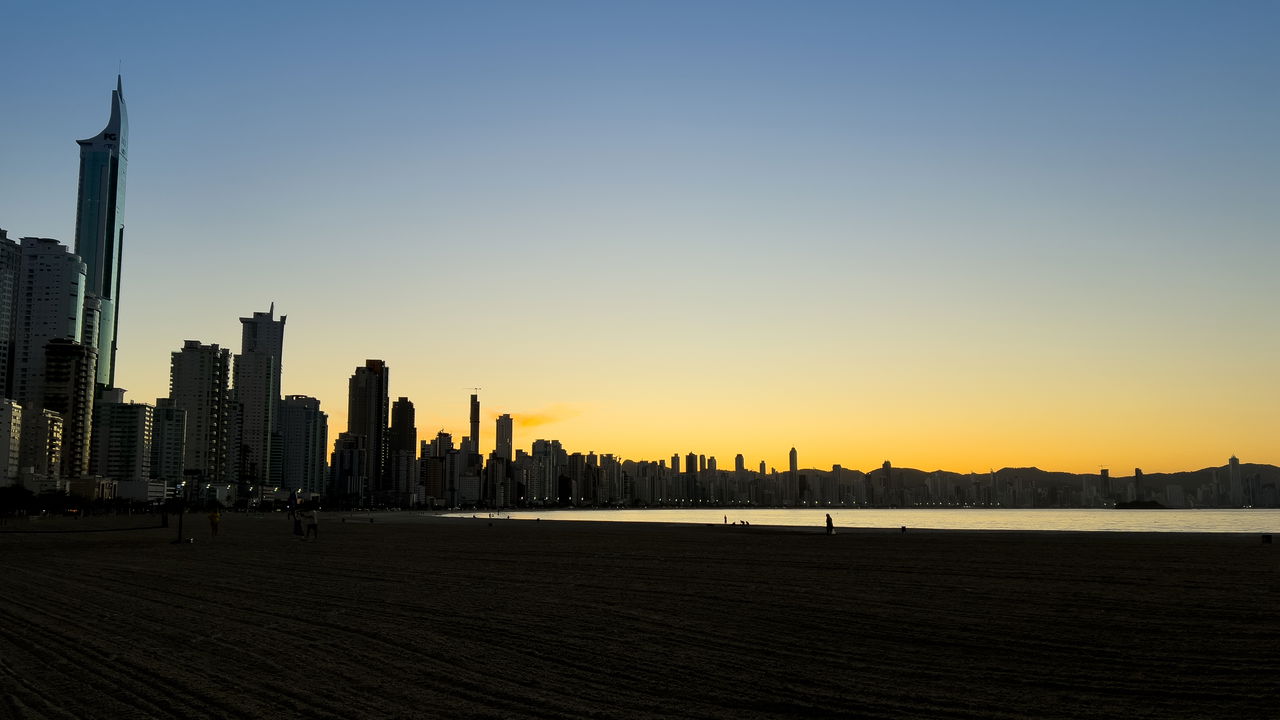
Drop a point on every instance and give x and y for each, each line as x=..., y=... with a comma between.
x=40, y=453
x=504, y=447
x=255, y=409
x=68, y=391
x=10, y=440
x=10, y=264
x=168, y=444
x=122, y=447
x=100, y=226
x=49, y=306
x=256, y=383
x=367, y=417
x=348, y=484
x=198, y=378
x=304, y=433
x=402, y=455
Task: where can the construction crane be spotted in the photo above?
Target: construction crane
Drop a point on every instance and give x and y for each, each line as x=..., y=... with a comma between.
x=473, y=389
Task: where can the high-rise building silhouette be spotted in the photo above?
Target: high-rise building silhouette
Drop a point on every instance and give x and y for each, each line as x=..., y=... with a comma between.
x=793, y=478
x=40, y=452
x=367, y=411
x=100, y=225
x=435, y=470
x=253, y=406
x=403, y=431
x=50, y=305
x=168, y=443
x=304, y=430
x=1235, y=484
x=10, y=440
x=122, y=447
x=198, y=378
x=347, y=467
x=503, y=446
x=402, y=448
x=10, y=264
x=263, y=333
x=499, y=480
x=68, y=391
x=475, y=423
x=257, y=390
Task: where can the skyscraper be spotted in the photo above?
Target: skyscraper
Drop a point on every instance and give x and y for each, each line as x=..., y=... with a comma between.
x=367, y=418
x=255, y=399
x=10, y=440
x=305, y=429
x=257, y=389
x=40, y=451
x=793, y=478
x=10, y=263
x=503, y=447
x=198, y=385
x=50, y=305
x=100, y=224
x=404, y=434
x=347, y=466
x=168, y=443
x=263, y=333
x=475, y=424
x=122, y=446
x=68, y=391
x=402, y=458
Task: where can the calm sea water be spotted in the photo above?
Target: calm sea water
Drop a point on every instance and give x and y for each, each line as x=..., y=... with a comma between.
x=1206, y=521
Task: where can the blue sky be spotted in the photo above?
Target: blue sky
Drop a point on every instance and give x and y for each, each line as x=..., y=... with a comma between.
x=932, y=214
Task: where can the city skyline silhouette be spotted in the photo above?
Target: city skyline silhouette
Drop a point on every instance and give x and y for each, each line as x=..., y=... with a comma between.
x=737, y=232
x=713, y=359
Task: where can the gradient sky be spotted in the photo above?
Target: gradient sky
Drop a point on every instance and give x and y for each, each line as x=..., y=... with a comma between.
x=955, y=235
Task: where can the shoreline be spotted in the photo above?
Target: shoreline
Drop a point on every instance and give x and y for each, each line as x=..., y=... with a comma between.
x=141, y=522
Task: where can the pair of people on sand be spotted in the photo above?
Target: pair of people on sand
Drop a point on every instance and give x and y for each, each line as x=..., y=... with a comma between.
x=310, y=518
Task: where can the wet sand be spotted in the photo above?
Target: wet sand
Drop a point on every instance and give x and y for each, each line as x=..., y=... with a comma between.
x=512, y=619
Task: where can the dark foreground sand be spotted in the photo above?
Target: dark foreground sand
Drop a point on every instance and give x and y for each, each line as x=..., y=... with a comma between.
x=464, y=618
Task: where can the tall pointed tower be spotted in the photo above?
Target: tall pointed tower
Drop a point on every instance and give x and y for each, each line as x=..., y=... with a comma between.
x=100, y=226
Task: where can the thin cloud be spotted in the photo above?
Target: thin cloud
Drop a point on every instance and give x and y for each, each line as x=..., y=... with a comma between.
x=546, y=416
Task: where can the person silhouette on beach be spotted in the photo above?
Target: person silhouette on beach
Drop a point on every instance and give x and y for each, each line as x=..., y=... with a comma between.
x=215, y=518
x=313, y=523
x=831, y=528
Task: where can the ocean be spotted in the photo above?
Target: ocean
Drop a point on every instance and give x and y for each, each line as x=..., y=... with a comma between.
x=1079, y=520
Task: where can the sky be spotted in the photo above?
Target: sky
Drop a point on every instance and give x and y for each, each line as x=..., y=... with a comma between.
x=952, y=235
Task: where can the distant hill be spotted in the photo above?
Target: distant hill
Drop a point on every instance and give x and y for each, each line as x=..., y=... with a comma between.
x=911, y=477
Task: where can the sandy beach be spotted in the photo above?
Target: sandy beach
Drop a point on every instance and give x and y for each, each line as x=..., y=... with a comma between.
x=516, y=619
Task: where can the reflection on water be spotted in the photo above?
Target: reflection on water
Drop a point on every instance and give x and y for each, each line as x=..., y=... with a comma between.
x=1210, y=521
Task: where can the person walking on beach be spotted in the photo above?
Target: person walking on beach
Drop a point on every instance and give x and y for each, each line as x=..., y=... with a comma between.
x=831, y=528
x=313, y=523
x=215, y=517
